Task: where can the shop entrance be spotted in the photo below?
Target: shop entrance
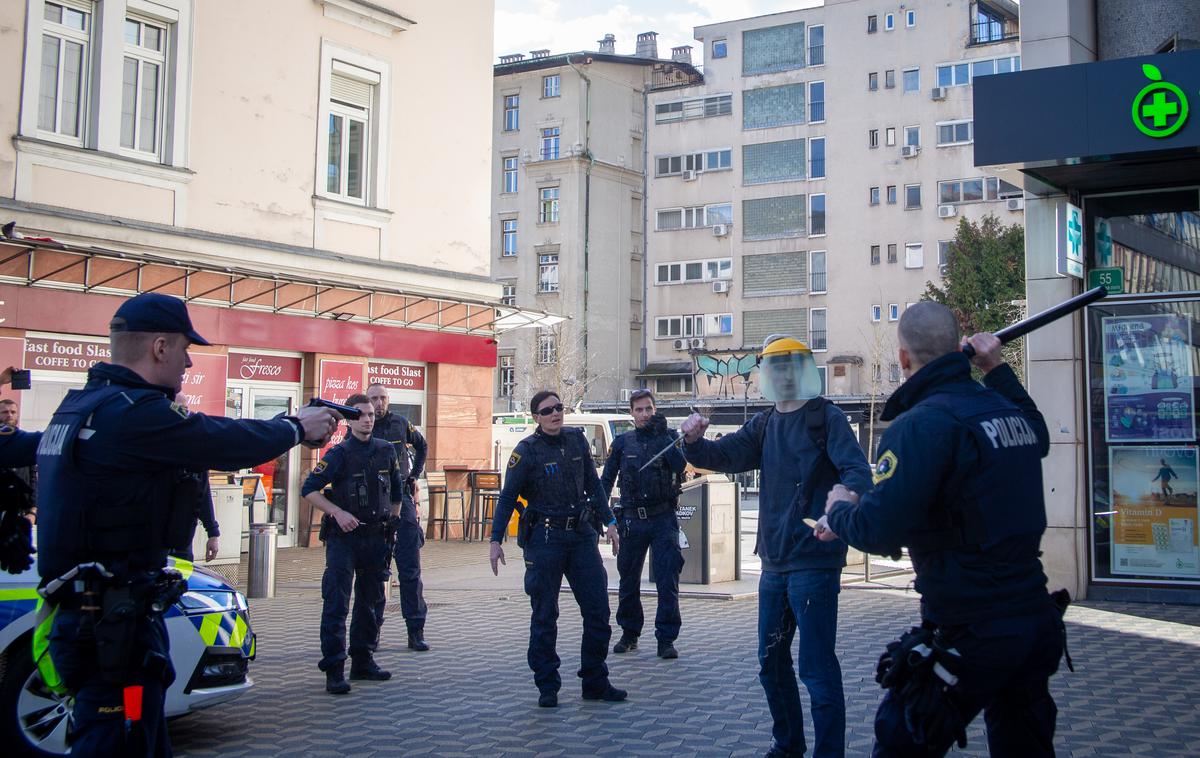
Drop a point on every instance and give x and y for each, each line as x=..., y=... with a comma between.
x=278, y=499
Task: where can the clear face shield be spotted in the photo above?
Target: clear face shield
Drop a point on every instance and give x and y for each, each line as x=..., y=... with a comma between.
x=789, y=376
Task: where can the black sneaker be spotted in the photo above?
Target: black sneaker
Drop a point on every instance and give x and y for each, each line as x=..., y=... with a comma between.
x=369, y=671
x=335, y=680
x=667, y=650
x=548, y=700
x=416, y=641
x=610, y=694
x=627, y=644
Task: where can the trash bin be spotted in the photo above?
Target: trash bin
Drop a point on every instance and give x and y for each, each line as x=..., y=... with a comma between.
x=708, y=518
x=261, y=580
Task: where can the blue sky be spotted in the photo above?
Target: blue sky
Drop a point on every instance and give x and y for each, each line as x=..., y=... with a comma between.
x=568, y=25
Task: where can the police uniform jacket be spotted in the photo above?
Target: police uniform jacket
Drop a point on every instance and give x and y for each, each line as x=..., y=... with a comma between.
x=959, y=482
x=398, y=431
x=109, y=461
x=555, y=475
x=375, y=460
x=654, y=486
x=18, y=448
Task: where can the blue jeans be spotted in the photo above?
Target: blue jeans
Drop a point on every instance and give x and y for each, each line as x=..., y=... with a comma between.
x=551, y=554
x=1006, y=668
x=804, y=600
x=660, y=535
x=356, y=559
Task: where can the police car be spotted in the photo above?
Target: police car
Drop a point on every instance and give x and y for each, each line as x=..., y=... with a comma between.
x=211, y=646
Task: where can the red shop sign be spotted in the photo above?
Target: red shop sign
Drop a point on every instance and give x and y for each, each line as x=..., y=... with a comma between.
x=55, y=354
x=396, y=376
x=338, y=381
x=204, y=384
x=263, y=368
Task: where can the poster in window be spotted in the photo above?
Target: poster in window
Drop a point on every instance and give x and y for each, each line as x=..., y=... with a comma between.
x=1154, y=511
x=1148, y=379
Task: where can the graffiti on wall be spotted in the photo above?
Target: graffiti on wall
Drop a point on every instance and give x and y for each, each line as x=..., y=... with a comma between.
x=724, y=375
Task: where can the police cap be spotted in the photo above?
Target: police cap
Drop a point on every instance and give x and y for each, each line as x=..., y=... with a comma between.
x=154, y=312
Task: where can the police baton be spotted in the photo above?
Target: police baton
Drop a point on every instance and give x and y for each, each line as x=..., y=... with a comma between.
x=1037, y=321
x=678, y=441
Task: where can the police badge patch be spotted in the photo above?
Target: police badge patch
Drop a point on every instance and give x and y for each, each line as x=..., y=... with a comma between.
x=321, y=466
x=514, y=459
x=885, y=467
x=180, y=409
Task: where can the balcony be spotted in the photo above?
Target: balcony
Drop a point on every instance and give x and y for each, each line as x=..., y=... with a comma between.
x=989, y=31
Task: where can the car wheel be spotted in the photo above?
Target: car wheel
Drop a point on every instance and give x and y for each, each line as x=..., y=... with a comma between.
x=33, y=719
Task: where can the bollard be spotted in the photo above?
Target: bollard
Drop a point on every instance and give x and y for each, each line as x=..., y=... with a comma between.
x=261, y=581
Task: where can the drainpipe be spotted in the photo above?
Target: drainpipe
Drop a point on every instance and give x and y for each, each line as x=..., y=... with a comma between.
x=645, y=216
x=587, y=210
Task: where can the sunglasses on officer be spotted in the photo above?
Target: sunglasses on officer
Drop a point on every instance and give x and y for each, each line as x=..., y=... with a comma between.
x=556, y=408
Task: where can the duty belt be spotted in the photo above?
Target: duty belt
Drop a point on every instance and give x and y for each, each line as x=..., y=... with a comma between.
x=562, y=522
x=648, y=511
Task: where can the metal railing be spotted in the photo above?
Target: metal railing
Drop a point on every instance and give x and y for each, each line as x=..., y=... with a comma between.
x=818, y=339
x=994, y=30
x=816, y=55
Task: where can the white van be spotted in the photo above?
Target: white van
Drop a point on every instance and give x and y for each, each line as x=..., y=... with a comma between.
x=601, y=429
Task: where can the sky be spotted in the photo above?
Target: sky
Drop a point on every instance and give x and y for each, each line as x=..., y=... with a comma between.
x=570, y=25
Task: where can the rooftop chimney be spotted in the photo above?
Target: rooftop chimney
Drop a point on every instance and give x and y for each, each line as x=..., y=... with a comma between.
x=682, y=54
x=609, y=44
x=647, y=45
x=535, y=54
x=512, y=58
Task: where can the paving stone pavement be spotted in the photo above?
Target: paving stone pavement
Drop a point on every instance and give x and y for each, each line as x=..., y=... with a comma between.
x=1133, y=693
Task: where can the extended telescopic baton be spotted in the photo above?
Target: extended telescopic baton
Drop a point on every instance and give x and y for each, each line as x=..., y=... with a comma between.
x=1037, y=321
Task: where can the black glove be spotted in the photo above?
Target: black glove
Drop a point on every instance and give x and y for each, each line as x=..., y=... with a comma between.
x=16, y=542
x=658, y=423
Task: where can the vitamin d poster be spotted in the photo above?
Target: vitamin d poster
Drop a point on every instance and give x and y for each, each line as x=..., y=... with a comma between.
x=1148, y=379
x=1154, y=511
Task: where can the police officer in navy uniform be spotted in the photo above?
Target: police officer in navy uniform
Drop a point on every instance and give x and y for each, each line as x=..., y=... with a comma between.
x=108, y=461
x=365, y=486
x=552, y=470
x=647, y=521
x=959, y=482
x=407, y=526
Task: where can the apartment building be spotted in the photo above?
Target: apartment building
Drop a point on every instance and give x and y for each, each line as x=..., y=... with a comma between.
x=810, y=185
x=284, y=167
x=568, y=189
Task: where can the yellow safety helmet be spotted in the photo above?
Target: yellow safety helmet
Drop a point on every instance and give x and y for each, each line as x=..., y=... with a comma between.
x=782, y=344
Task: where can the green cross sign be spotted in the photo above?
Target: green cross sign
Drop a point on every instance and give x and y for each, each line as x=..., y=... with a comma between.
x=1074, y=235
x=1159, y=109
x=1166, y=109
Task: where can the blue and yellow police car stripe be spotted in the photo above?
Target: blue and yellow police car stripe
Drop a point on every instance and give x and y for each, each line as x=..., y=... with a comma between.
x=225, y=629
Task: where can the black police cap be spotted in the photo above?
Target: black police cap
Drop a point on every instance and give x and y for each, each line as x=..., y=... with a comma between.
x=153, y=312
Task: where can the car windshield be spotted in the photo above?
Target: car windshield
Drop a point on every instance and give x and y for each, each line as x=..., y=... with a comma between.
x=619, y=427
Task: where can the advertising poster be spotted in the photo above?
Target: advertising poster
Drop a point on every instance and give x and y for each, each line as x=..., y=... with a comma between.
x=1148, y=379
x=1154, y=511
x=204, y=384
x=338, y=381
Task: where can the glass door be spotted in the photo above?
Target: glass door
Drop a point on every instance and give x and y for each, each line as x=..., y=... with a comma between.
x=273, y=487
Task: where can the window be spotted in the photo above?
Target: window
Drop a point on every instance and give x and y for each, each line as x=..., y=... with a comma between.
x=817, y=333
x=509, y=296
x=889, y=79
x=873, y=196
x=773, y=106
x=873, y=138
x=773, y=274
x=695, y=217
x=551, y=85
x=954, y=133
x=873, y=81
x=709, y=160
x=892, y=253
x=142, y=85
x=550, y=141
x=914, y=255
x=774, y=217
x=816, y=45
x=943, y=252
x=693, y=325
x=718, y=269
x=666, y=327
x=65, y=70
x=512, y=113
x=876, y=313
x=816, y=158
x=912, y=80
x=766, y=162
x=548, y=205
x=817, y=283
x=890, y=136
x=891, y=194
x=672, y=385
x=872, y=24
x=889, y=22
x=912, y=196
x=893, y=311
x=508, y=237
x=975, y=190
x=953, y=75
x=816, y=215
x=910, y=19
x=893, y=372
x=961, y=73
x=912, y=136
x=718, y=160
x=507, y=375
x=698, y=107
x=718, y=324
x=874, y=255
x=816, y=102
x=548, y=272
x=510, y=174
x=547, y=351
x=774, y=48
x=352, y=94
x=720, y=48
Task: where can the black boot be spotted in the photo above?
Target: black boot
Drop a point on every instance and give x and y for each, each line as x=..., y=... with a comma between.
x=548, y=700
x=609, y=693
x=335, y=680
x=627, y=644
x=665, y=650
x=368, y=670
x=416, y=640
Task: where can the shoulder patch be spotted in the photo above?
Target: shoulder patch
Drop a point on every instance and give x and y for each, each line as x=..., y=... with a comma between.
x=885, y=467
x=321, y=466
x=6, y=430
x=180, y=409
x=514, y=459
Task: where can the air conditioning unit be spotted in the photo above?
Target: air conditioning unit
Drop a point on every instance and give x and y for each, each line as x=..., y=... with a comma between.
x=689, y=175
x=942, y=269
x=720, y=286
x=946, y=211
x=681, y=344
x=1015, y=203
x=938, y=93
x=625, y=395
x=720, y=230
x=909, y=151
x=697, y=343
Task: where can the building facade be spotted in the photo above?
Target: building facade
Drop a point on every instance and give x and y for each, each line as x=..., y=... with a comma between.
x=568, y=188
x=811, y=185
x=1099, y=133
x=279, y=183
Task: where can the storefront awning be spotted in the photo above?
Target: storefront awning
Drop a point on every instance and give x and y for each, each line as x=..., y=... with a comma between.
x=42, y=262
x=668, y=368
